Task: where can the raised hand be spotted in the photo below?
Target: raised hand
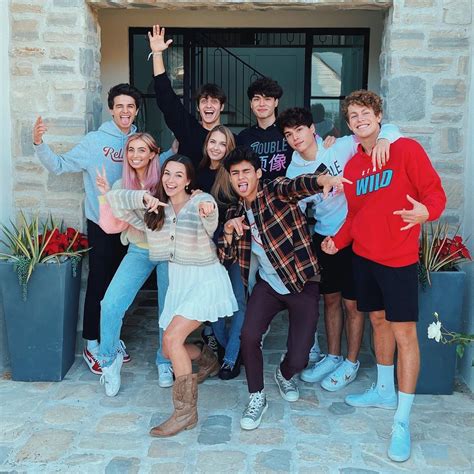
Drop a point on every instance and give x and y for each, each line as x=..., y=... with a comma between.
x=157, y=40
x=328, y=246
x=39, y=129
x=329, y=182
x=380, y=154
x=418, y=215
x=101, y=181
x=236, y=225
x=206, y=208
x=152, y=203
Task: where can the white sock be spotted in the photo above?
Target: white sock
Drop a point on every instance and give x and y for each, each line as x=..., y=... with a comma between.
x=405, y=401
x=352, y=365
x=385, y=380
x=316, y=347
x=335, y=358
x=93, y=346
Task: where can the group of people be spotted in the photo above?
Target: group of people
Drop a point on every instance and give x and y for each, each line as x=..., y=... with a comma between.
x=223, y=221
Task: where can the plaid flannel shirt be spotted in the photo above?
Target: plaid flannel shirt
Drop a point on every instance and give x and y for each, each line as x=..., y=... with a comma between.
x=283, y=230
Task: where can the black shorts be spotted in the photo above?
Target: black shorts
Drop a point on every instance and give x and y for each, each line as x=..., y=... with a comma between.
x=336, y=270
x=393, y=289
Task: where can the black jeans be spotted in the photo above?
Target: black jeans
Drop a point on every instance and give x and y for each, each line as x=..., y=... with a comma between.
x=264, y=303
x=104, y=258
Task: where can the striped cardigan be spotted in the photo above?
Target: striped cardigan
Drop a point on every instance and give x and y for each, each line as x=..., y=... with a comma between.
x=185, y=238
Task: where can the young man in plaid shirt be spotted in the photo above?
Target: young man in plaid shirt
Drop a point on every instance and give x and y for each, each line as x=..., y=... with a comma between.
x=267, y=225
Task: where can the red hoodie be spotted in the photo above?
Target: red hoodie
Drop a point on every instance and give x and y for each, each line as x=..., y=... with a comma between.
x=371, y=225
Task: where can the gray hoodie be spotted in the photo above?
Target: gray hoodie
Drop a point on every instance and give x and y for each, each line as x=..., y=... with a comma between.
x=96, y=149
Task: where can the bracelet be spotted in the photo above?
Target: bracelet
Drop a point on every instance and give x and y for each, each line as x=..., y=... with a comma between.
x=228, y=233
x=158, y=53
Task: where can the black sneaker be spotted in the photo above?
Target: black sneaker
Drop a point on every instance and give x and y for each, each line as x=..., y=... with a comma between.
x=227, y=372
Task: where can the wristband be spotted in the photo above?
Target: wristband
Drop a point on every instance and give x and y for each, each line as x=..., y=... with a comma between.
x=153, y=54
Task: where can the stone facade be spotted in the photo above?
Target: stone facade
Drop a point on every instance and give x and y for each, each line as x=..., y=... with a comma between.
x=425, y=79
x=55, y=73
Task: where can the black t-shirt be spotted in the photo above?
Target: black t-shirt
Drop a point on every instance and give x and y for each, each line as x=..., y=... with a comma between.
x=271, y=147
x=205, y=179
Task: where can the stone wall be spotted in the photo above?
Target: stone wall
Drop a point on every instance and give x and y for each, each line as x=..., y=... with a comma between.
x=425, y=73
x=55, y=73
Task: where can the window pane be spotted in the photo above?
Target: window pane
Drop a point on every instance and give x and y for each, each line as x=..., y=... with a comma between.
x=336, y=72
x=328, y=118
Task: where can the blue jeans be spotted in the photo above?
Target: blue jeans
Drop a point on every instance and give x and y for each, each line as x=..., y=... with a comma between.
x=230, y=337
x=132, y=273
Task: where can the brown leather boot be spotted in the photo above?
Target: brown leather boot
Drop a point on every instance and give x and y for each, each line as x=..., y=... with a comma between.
x=208, y=364
x=185, y=414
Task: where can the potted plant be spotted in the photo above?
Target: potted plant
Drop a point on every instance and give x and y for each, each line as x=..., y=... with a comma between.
x=40, y=279
x=441, y=291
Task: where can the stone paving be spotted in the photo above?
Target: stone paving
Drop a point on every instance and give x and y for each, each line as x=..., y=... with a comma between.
x=72, y=426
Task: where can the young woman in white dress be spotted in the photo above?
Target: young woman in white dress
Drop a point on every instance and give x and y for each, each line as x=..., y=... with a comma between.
x=179, y=227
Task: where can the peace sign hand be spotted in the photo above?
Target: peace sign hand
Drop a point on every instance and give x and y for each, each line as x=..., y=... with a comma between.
x=101, y=181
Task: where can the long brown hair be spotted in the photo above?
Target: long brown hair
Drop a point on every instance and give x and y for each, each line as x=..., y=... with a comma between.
x=229, y=138
x=155, y=221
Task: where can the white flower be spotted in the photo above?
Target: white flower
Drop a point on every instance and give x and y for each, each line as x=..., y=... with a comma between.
x=434, y=331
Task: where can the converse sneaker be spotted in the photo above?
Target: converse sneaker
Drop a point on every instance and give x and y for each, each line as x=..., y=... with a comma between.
x=252, y=415
x=400, y=443
x=91, y=361
x=288, y=388
x=110, y=377
x=126, y=356
x=165, y=375
x=341, y=377
x=320, y=370
x=372, y=398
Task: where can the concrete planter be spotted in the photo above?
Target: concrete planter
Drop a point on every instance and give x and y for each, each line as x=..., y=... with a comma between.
x=41, y=331
x=438, y=361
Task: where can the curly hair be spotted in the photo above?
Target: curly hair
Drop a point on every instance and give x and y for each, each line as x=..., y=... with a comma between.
x=265, y=86
x=364, y=98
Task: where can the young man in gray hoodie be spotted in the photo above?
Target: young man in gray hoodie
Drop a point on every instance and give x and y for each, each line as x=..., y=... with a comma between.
x=102, y=148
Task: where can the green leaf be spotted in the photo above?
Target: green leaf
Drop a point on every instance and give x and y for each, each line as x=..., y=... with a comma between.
x=460, y=350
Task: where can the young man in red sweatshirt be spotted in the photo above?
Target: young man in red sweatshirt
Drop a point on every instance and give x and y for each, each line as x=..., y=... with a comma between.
x=385, y=209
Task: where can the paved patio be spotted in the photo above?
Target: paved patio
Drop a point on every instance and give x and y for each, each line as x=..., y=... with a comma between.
x=72, y=426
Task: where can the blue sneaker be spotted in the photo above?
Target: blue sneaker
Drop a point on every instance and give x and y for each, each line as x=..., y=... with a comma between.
x=342, y=376
x=400, y=444
x=372, y=398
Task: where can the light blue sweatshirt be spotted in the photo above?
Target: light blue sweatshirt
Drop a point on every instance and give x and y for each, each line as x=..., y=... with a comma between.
x=96, y=149
x=330, y=213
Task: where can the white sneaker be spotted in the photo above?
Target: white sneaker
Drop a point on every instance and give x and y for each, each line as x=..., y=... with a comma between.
x=110, y=377
x=314, y=353
x=320, y=370
x=252, y=415
x=165, y=375
x=341, y=377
